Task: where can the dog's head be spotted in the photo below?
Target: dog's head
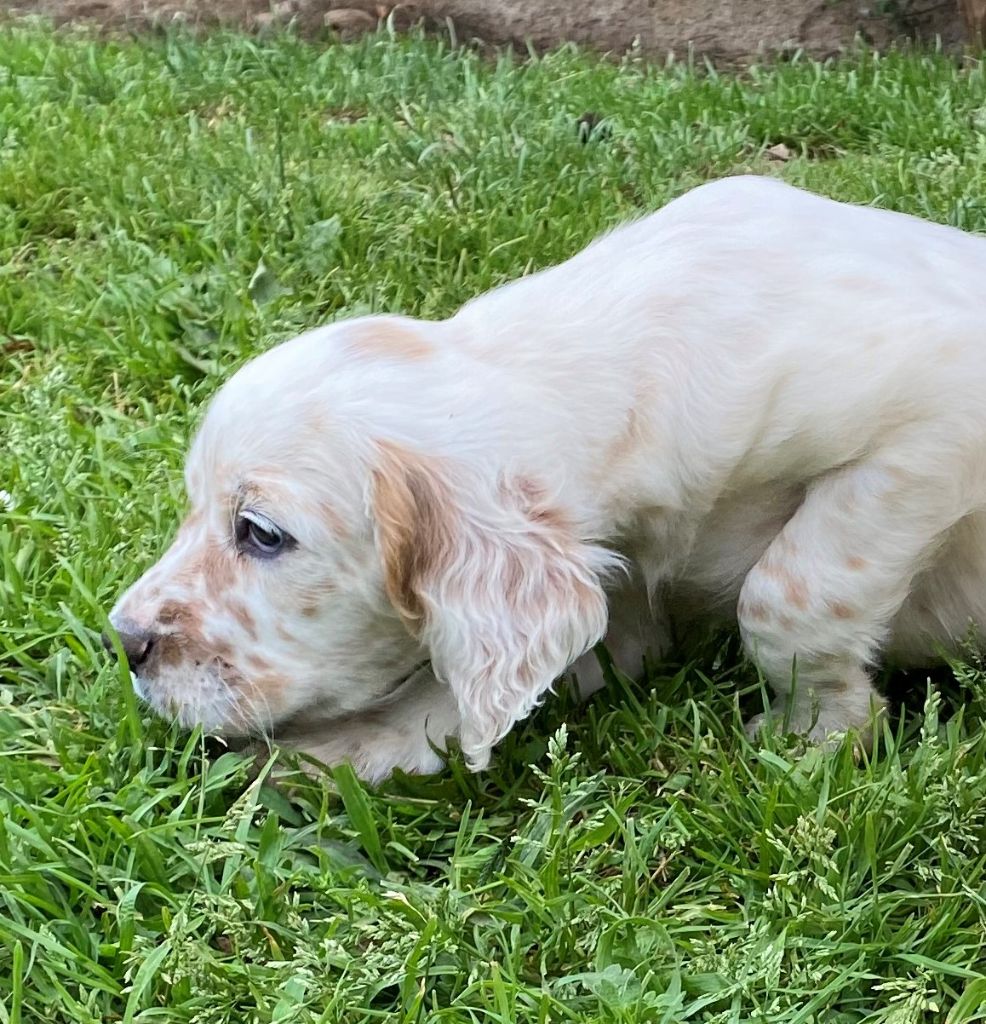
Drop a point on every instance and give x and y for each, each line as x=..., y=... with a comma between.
x=330, y=548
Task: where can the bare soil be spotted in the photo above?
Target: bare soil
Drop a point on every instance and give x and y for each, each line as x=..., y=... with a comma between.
x=733, y=30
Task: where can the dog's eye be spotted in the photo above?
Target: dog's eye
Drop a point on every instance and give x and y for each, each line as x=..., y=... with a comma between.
x=258, y=536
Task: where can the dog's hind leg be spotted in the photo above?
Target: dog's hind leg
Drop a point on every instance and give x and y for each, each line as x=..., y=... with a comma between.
x=818, y=607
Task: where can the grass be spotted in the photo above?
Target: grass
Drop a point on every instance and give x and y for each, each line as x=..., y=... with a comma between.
x=170, y=207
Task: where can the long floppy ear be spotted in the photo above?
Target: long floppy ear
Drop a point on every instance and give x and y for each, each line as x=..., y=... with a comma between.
x=495, y=584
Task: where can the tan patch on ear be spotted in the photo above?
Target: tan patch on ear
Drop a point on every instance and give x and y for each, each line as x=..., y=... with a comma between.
x=855, y=563
x=389, y=340
x=412, y=509
x=534, y=504
x=841, y=610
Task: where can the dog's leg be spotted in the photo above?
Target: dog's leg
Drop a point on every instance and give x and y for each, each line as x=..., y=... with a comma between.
x=947, y=606
x=817, y=607
x=400, y=733
x=635, y=630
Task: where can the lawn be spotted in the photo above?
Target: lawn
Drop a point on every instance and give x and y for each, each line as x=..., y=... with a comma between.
x=170, y=207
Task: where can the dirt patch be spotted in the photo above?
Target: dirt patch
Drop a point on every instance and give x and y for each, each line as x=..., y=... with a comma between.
x=733, y=30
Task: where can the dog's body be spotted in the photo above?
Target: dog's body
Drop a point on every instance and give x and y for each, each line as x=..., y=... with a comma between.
x=755, y=403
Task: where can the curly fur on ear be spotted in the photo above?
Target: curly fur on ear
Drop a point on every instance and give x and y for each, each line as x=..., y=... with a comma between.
x=495, y=583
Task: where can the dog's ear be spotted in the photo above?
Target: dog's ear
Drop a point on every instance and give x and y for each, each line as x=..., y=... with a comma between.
x=494, y=583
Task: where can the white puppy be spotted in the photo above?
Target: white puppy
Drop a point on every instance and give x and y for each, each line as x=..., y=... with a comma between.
x=755, y=402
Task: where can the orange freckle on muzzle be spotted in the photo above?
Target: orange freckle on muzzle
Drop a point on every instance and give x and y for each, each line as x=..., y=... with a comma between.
x=219, y=571
x=246, y=621
x=173, y=613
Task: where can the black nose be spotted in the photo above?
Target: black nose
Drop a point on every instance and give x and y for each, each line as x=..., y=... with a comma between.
x=137, y=643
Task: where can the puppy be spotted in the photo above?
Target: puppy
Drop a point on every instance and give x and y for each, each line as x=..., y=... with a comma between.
x=756, y=403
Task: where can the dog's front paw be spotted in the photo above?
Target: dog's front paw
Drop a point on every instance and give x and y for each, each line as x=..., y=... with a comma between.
x=823, y=724
x=374, y=752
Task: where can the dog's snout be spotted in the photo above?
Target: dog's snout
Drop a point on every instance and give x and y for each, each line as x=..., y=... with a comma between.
x=137, y=643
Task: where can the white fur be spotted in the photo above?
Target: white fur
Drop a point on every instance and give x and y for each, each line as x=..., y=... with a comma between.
x=765, y=404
